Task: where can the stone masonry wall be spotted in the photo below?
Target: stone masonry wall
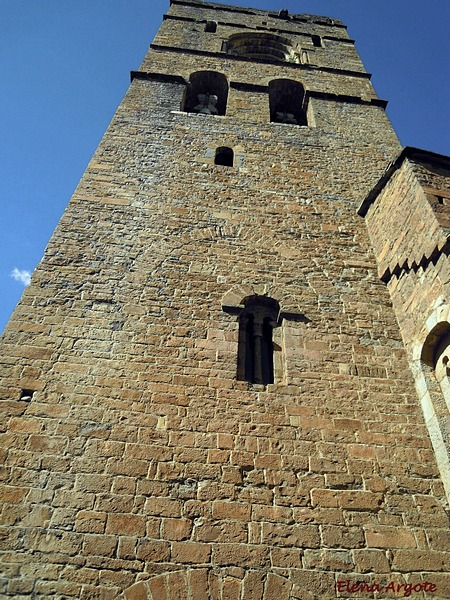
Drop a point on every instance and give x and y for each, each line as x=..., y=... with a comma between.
x=337, y=48
x=136, y=465
x=409, y=226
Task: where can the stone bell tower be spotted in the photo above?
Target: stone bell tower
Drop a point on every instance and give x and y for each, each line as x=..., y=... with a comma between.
x=206, y=390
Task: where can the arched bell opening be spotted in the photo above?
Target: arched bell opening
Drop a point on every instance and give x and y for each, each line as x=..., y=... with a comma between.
x=206, y=93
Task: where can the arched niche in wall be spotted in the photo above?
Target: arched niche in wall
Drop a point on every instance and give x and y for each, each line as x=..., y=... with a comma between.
x=206, y=93
x=286, y=100
x=224, y=156
x=262, y=46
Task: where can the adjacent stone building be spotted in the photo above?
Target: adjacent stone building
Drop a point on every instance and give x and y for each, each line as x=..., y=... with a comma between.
x=207, y=386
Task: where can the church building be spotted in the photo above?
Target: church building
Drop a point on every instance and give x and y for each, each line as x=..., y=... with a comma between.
x=229, y=377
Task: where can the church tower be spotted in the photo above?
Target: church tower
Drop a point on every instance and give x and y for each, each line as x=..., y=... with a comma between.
x=206, y=389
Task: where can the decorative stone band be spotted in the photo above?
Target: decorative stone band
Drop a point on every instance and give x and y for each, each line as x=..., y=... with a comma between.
x=158, y=77
x=426, y=261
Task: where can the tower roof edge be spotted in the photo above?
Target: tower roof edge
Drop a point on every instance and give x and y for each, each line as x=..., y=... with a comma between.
x=408, y=152
x=237, y=8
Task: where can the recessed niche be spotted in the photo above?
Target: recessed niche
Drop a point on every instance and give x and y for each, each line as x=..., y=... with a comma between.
x=26, y=395
x=211, y=26
x=262, y=46
x=224, y=156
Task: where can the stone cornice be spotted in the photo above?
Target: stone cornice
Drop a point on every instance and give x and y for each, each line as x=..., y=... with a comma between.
x=263, y=89
x=297, y=18
x=424, y=263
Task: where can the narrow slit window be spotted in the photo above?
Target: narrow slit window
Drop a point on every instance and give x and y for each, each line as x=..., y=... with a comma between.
x=317, y=41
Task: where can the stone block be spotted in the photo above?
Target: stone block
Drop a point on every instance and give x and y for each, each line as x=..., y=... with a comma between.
x=190, y=552
x=125, y=524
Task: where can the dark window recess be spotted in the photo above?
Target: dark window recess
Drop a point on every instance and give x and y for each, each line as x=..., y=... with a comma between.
x=255, y=348
x=287, y=99
x=26, y=395
x=211, y=26
x=317, y=41
x=224, y=156
x=206, y=93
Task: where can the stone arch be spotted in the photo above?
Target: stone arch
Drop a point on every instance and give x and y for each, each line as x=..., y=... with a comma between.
x=286, y=102
x=206, y=93
x=262, y=46
x=270, y=306
x=430, y=357
x=224, y=156
x=236, y=295
x=441, y=365
x=204, y=583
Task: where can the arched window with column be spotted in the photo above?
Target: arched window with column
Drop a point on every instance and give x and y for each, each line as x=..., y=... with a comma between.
x=206, y=93
x=286, y=101
x=255, y=349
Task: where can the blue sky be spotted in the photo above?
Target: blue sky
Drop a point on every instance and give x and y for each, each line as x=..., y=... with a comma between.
x=65, y=67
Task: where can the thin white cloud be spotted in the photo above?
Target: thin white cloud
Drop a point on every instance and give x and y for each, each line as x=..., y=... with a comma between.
x=22, y=276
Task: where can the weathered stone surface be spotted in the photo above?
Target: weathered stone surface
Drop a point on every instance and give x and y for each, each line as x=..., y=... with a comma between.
x=136, y=463
x=408, y=218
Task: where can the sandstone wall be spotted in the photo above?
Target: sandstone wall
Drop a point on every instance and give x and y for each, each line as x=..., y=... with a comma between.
x=408, y=222
x=140, y=460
